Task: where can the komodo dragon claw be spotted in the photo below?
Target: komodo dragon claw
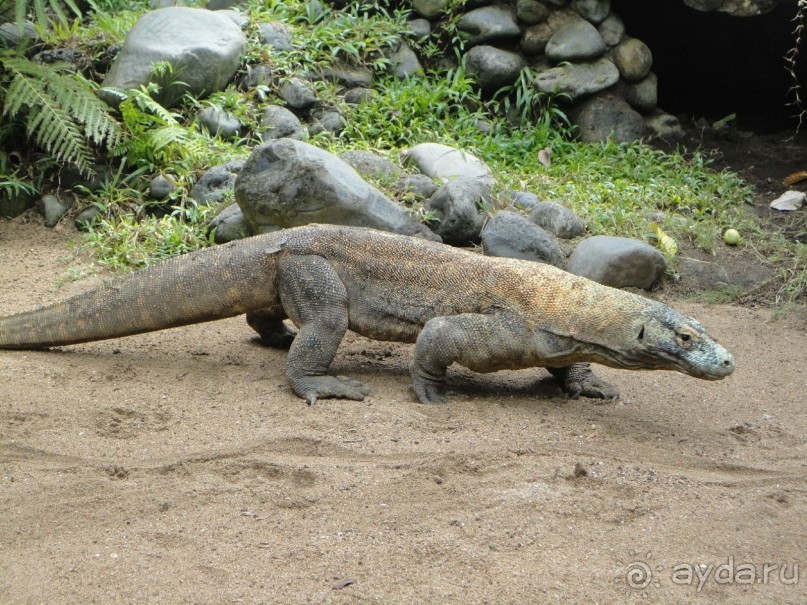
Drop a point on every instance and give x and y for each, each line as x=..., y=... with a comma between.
x=578, y=379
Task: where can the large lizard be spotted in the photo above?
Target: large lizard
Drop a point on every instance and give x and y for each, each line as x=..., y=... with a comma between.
x=484, y=313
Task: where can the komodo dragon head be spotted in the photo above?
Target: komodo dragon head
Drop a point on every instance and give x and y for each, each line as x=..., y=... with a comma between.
x=668, y=340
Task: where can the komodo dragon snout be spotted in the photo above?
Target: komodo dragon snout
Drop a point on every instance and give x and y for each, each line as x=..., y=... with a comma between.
x=667, y=339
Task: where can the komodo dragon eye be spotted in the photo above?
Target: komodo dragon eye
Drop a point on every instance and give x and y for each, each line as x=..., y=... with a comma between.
x=686, y=337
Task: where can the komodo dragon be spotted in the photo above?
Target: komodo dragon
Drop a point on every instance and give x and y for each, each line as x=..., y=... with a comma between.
x=484, y=313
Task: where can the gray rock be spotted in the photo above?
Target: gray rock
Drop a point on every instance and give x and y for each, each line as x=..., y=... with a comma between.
x=492, y=67
x=287, y=183
x=257, y=75
x=456, y=206
x=403, y=62
x=216, y=182
x=592, y=10
x=219, y=122
x=578, y=79
x=71, y=177
x=279, y=123
x=347, y=75
x=155, y=4
x=161, y=187
x=218, y=5
x=430, y=8
x=357, y=96
x=277, y=35
x=561, y=18
x=203, y=47
x=444, y=163
x=14, y=203
x=420, y=28
x=556, y=3
x=619, y=262
x=371, y=165
x=535, y=38
x=612, y=30
x=664, y=126
x=749, y=8
x=240, y=19
x=298, y=94
x=574, y=41
x=606, y=116
x=86, y=217
x=418, y=186
x=704, y=5
x=329, y=120
x=737, y=8
x=633, y=59
x=524, y=199
x=52, y=209
x=488, y=24
x=706, y=274
x=10, y=34
x=511, y=235
x=531, y=11
x=70, y=56
x=229, y=225
x=642, y=95
x=558, y=220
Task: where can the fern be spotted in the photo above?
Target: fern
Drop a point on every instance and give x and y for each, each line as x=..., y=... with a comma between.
x=155, y=138
x=62, y=113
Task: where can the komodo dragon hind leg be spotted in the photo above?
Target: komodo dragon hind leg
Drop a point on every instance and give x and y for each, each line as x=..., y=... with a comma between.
x=272, y=332
x=483, y=343
x=578, y=379
x=315, y=299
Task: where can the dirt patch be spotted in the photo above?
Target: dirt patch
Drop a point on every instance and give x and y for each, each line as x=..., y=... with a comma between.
x=177, y=467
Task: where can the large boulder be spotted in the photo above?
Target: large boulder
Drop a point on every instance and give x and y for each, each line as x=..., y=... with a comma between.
x=575, y=40
x=288, y=183
x=511, y=235
x=578, y=80
x=619, y=262
x=444, y=163
x=607, y=116
x=493, y=67
x=455, y=205
x=203, y=47
x=488, y=24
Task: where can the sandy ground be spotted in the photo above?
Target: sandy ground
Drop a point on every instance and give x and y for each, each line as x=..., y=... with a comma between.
x=177, y=467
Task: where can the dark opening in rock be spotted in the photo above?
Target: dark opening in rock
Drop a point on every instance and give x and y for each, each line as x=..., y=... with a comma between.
x=712, y=64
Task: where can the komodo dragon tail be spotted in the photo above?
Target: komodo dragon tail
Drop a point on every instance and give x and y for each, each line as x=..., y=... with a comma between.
x=213, y=283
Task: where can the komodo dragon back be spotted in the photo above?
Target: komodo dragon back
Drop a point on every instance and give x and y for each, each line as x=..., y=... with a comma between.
x=484, y=313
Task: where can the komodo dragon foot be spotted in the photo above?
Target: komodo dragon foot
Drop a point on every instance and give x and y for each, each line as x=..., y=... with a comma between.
x=578, y=379
x=272, y=332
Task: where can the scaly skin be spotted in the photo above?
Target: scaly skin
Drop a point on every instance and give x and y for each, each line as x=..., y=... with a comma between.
x=485, y=313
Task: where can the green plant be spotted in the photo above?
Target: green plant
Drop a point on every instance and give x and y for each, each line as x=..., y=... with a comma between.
x=125, y=242
x=60, y=110
x=42, y=9
x=791, y=63
x=527, y=105
x=154, y=136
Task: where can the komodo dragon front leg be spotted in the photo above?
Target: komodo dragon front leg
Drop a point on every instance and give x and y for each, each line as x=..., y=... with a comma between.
x=488, y=343
x=315, y=299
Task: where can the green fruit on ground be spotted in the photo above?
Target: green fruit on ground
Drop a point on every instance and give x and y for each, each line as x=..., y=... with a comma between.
x=731, y=237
